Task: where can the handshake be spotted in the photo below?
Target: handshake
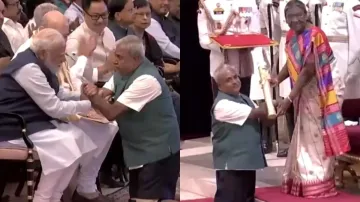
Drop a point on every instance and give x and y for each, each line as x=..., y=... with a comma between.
x=89, y=90
x=281, y=105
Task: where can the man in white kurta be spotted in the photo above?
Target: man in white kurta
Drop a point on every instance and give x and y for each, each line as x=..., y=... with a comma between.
x=220, y=12
x=62, y=149
x=91, y=165
x=12, y=28
x=340, y=20
x=95, y=25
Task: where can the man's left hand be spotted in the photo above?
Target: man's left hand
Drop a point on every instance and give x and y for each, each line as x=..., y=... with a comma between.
x=89, y=90
x=283, y=106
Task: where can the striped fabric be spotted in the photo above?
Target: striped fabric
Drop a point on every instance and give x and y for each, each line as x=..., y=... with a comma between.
x=313, y=42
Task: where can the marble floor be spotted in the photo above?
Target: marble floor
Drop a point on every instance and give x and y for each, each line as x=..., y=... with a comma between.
x=197, y=178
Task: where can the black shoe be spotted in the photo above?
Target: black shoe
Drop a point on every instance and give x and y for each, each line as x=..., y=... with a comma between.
x=110, y=182
x=282, y=153
x=267, y=148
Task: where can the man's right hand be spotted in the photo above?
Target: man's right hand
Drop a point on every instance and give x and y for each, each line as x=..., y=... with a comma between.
x=87, y=46
x=106, y=68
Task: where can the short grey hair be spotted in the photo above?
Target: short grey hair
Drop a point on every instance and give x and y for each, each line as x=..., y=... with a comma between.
x=41, y=10
x=46, y=39
x=221, y=70
x=133, y=44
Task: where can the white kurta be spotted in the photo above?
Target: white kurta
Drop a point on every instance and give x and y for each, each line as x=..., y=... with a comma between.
x=61, y=147
x=15, y=33
x=106, y=42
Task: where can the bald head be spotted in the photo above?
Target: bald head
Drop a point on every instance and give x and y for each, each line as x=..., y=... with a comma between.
x=55, y=20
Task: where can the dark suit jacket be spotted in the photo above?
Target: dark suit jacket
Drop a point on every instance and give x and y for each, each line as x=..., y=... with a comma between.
x=5, y=47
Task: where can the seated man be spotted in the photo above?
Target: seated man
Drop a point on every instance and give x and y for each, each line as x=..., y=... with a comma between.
x=152, y=49
x=121, y=14
x=39, y=13
x=91, y=165
x=164, y=29
x=144, y=110
x=11, y=26
x=237, y=152
x=30, y=89
x=95, y=25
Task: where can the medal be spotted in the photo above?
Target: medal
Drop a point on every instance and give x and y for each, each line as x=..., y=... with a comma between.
x=218, y=10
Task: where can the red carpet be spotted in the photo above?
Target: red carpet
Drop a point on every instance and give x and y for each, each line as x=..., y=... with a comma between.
x=273, y=194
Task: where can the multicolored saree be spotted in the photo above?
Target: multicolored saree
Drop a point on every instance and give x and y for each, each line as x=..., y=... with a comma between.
x=298, y=49
x=319, y=132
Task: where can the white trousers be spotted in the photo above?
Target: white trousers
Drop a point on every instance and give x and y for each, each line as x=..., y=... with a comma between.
x=60, y=151
x=64, y=149
x=102, y=135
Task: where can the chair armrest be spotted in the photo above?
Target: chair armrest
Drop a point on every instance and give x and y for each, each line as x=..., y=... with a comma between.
x=21, y=121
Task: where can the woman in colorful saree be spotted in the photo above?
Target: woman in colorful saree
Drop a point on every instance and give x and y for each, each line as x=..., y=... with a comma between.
x=319, y=133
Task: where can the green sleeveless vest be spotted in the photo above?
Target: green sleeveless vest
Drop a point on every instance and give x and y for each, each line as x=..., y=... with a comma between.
x=153, y=133
x=236, y=147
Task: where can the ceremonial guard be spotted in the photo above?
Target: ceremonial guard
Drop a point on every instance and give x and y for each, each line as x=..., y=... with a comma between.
x=228, y=17
x=340, y=20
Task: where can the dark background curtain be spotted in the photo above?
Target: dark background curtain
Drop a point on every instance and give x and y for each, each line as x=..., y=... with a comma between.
x=196, y=96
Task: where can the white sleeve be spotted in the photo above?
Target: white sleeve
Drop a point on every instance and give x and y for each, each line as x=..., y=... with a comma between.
x=110, y=84
x=144, y=89
x=67, y=95
x=78, y=68
x=77, y=71
x=203, y=30
x=255, y=25
x=231, y=112
x=164, y=42
x=34, y=82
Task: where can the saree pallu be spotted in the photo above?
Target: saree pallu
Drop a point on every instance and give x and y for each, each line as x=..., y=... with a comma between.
x=319, y=133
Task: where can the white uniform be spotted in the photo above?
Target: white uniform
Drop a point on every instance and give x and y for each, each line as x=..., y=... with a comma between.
x=256, y=92
x=220, y=11
x=340, y=23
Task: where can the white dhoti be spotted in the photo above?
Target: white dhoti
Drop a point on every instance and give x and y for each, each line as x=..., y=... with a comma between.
x=102, y=135
x=60, y=151
x=59, y=148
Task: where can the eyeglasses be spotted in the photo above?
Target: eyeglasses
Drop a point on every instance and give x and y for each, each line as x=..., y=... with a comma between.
x=96, y=17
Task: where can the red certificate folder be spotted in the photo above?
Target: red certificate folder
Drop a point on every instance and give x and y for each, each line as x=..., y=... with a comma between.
x=243, y=41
